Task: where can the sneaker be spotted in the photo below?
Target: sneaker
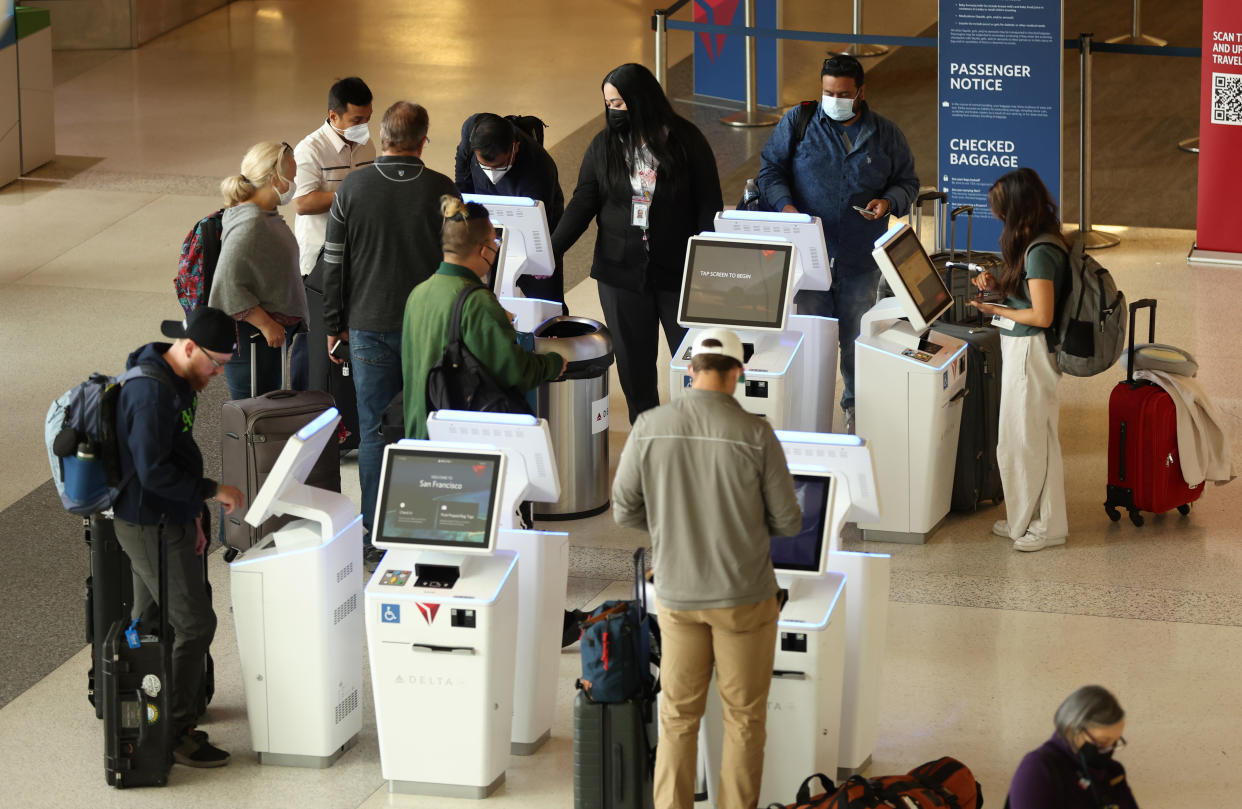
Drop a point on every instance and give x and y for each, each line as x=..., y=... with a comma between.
x=849, y=421
x=1001, y=528
x=193, y=750
x=1030, y=542
x=371, y=557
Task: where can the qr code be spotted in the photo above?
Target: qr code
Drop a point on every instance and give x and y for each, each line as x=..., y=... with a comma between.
x=1227, y=98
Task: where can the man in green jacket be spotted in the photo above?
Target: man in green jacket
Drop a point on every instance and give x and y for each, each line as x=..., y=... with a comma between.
x=469, y=243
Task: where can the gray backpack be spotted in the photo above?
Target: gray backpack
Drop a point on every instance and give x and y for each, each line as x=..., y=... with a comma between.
x=1089, y=332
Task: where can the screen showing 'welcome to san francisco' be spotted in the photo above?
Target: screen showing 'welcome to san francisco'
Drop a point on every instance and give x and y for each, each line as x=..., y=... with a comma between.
x=438, y=499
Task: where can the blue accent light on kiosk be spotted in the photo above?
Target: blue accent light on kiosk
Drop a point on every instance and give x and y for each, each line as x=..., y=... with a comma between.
x=475, y=417
x=495, y=199
x=889, y=234
x=321, y=421
x=827, y=613
x=831, y=439
x=748, y=237
x=458, y=600
x=244, y=561
x=768, y=216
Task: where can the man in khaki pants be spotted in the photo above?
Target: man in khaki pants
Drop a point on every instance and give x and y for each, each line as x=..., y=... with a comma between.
x=709, y=482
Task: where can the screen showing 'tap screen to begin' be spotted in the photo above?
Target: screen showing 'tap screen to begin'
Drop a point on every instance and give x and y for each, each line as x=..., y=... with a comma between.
x=739, y=285
x=438, y=499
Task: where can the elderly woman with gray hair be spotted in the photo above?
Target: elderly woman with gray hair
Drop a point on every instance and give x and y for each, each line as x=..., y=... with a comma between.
x=1075, y=769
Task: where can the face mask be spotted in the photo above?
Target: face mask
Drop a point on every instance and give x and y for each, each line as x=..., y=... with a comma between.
x=618, y=120
x=1093, y=757
x=287, y=196
x=495, y=174
x=838, y=109
x=358, y=133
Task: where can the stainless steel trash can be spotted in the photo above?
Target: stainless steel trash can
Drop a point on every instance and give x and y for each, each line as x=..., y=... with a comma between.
x=576, y=407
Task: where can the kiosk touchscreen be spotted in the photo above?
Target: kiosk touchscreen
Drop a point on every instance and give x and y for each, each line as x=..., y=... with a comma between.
x=441, y=614
x=745, y=283
x=527, y=251
x=805, y=697
x=296, y=607
x=909, y=385
x=531, y=474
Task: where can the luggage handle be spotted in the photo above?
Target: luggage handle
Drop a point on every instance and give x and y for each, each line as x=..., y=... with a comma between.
x=929, y=194
x=1145, y=303
x=804, y=791
x=618, y=783
x=969, y=210
x=286, y=351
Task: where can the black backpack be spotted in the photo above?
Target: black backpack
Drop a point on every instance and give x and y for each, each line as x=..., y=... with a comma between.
x=806, y=113
x=459, y=381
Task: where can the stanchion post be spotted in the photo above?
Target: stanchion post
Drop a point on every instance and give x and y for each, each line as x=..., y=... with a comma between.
x=1136, y=35
x=861, y=49
x=1189, y=145
x=661, y=47
x=1093, y=239
x=751, y=115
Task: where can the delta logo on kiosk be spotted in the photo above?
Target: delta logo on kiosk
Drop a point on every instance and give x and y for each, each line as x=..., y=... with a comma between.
x=428, y=611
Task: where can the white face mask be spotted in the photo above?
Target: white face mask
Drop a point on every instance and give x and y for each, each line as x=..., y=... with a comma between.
x=838, y=109
x=358, y=133
x=287, y=196
x=495, y=174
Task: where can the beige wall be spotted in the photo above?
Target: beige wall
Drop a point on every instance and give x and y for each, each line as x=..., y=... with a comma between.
x=91, y=24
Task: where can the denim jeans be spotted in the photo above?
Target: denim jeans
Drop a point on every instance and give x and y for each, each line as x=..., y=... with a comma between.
x=237, y=371
x=375, y=360
x=848, y=300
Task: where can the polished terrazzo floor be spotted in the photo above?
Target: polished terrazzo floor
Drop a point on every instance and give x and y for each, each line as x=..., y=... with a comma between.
x=982, y=642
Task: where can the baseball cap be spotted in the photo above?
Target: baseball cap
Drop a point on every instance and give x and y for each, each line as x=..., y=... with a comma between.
x=728, y=344
x=209, y=328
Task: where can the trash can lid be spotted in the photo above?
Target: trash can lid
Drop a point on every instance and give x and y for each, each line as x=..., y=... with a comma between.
x=574, y=338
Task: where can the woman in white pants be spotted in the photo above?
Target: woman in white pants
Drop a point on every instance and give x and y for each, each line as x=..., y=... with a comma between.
x=1035, y=275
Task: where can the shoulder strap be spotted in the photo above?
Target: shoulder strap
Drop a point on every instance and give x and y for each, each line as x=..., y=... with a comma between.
x=806, y=113
x=454, y=335
x=149, y=370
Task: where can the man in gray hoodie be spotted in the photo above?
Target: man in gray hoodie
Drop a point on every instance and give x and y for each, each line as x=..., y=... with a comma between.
x=709, y=482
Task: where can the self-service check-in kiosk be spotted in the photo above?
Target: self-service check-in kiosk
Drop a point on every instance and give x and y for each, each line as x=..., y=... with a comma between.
x=848, y=459
x=441, y=615
x=298, y=612
x=526, y=249
x=909, y=382
x=746, y=283
x=544, y=572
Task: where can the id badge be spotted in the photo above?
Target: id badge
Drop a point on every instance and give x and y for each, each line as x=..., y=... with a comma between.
x=1002, y=322
x=639, y=210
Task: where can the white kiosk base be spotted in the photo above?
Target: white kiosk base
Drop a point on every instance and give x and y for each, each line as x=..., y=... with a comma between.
x=529, y=313
x=909, y=395
x=804, y=703
x=442, y=671
x=790, y=377
x=296, y=606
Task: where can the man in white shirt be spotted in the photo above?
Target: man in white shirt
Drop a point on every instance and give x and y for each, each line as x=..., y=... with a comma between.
x=324, y=157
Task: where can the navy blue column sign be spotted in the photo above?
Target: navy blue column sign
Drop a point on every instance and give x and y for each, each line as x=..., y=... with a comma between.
x=1000, y=101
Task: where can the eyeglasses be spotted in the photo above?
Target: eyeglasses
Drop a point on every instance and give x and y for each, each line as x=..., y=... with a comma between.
x=1117, y=745
x=219, y=365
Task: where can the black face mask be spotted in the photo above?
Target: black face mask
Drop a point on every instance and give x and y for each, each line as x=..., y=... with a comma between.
x=619, y=120
x=1093, y=757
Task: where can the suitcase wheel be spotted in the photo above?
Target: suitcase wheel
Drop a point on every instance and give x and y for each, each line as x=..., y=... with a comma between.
x=1113, y=514
x=1136, y=518
x=1183, y=509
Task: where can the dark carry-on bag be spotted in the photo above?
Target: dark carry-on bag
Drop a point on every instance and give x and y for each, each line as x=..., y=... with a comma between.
x=325, y=374
x=1144, y=468
x=976, y=476
x=136, y=688
x=253, y=432
x=612, y=756
x=945, y=783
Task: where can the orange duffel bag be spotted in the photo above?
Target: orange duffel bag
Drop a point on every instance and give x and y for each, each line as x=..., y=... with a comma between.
x=945, y=783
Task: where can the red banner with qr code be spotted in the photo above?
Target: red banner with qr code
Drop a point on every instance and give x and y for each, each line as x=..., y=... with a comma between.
x=1220, y=129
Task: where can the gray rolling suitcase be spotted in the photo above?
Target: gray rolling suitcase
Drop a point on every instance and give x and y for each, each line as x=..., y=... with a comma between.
x=977, y=474
x=612, y=757
x=252, y=434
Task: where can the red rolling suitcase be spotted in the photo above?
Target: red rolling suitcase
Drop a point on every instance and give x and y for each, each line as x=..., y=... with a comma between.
x=1144, y=470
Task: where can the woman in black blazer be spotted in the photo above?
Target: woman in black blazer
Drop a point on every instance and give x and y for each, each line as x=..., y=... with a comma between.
x=649, y=180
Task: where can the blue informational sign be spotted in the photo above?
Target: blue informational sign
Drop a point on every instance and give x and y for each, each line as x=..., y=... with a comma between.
x=720, y=60
x=1000, y=101
x=390, y=613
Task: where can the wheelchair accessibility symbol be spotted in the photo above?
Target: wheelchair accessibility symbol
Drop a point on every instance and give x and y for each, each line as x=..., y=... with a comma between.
x=390, y=613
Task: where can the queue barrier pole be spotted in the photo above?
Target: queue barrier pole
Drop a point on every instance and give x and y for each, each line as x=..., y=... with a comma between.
x=660, y=21
x=1136, y=35
x=860, y=49
x=751, y=116
x=1189, y=145
x=1092, y=239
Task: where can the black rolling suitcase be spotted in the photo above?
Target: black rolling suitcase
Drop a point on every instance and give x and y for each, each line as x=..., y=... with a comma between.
x=977, y=474
x=612, y=757
x=324, y=374
x=956, y=268
x=110, y=597
x=136, y=689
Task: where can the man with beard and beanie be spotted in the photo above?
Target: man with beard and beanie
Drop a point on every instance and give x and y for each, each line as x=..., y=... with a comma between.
x=164, y=499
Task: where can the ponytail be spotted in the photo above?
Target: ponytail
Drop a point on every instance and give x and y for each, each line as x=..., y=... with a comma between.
x=258, y=167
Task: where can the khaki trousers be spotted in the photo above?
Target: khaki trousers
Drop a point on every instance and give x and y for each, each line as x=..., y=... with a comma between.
x=741, y=643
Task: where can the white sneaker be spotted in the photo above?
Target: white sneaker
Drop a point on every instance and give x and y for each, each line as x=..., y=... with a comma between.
x=1001, y=528
x=1030, y=542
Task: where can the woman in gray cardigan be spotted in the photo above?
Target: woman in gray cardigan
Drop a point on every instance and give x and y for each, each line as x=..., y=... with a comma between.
x=257, y=280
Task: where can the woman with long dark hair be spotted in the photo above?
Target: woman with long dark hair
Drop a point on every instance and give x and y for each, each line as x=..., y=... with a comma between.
x=1036, y=272
x=649, y=181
